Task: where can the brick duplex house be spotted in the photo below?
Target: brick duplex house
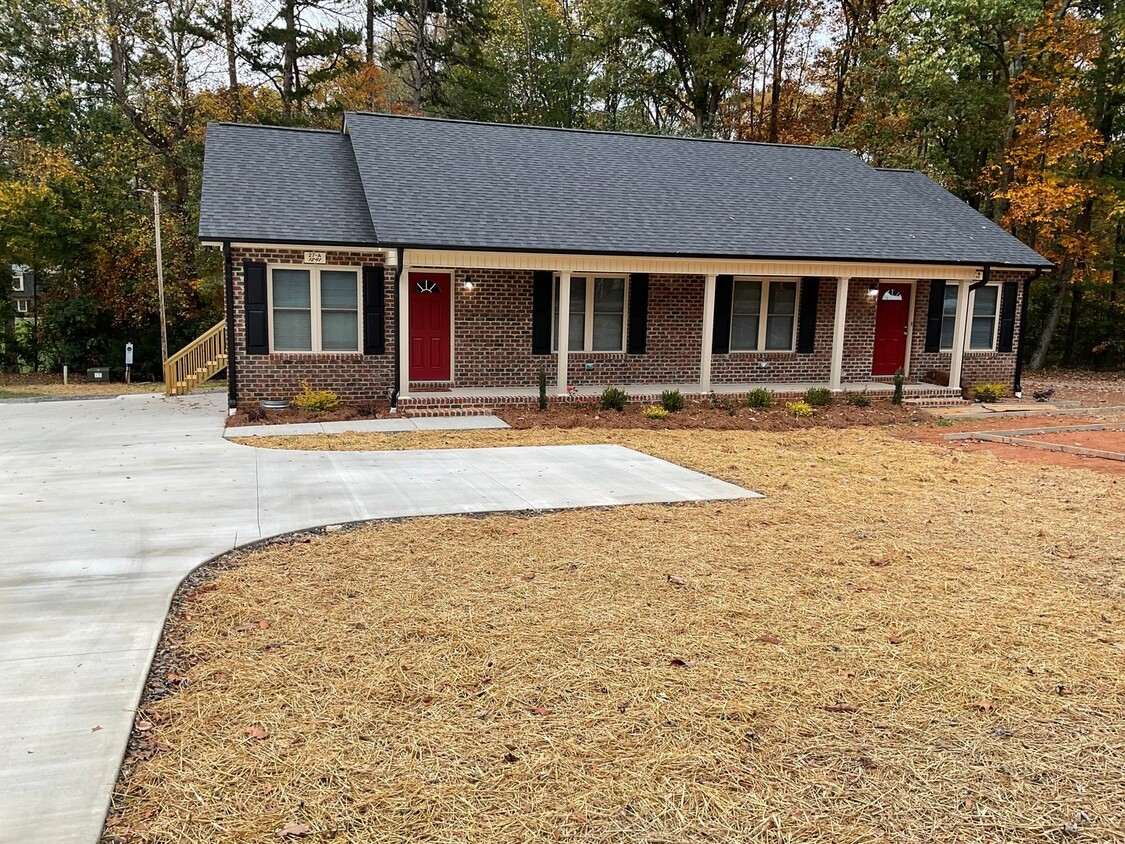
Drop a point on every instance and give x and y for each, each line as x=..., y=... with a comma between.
x=432, y=261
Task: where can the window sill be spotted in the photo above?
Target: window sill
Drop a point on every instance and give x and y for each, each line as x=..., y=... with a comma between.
x=777, y=352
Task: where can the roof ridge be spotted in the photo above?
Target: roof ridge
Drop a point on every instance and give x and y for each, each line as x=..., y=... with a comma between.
x=585, y=131
x=274, y=126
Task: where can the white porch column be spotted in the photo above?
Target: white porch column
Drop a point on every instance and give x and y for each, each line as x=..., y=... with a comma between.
x=708, y=334
x=564, y=331
x=404, y=332
x=960, y=329
x=838, y=328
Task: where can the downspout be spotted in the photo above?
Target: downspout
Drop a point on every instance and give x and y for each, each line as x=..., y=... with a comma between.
x=398, y=345
x=984, y=279
x=1017, y=386
x=232, y=375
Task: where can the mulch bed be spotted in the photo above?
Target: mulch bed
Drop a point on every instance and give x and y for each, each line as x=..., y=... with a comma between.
x=343, y=413
x=899, y=643
x=702, y=415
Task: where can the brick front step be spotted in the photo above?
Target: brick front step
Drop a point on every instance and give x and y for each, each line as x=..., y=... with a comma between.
x=936, y=401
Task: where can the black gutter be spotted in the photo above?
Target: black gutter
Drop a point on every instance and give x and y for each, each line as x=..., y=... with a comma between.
x=398, y=326
x=232, y=371
x=1017, y=385
x=289, y=241
x=984, y=279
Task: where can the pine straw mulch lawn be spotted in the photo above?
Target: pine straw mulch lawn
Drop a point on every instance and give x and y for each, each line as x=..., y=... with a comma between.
x=900, y=643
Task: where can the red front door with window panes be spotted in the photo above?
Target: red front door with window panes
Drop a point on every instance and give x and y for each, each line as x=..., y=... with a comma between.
x=892, y=315
x=430, y=326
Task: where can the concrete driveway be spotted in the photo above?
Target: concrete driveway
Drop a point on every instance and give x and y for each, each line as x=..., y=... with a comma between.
x=104, y=507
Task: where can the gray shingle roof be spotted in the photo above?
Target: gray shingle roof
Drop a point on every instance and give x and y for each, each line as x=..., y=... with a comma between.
x=447, y=183
x=265, y=183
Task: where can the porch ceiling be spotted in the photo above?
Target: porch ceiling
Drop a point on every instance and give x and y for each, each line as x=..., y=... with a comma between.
x=467, y=259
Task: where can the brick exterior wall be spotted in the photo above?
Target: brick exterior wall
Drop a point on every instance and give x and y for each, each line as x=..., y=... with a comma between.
x=976, y=367
x=353, y=376
x=492, y=340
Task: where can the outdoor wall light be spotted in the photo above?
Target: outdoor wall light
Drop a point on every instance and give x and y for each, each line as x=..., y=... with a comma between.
x=468, y=285
x=873, y=289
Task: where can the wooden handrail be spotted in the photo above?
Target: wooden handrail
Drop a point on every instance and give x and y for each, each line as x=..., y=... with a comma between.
x=199, y=360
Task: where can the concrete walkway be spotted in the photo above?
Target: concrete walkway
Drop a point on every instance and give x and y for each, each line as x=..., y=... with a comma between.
x=106, y=505
x=368, y=426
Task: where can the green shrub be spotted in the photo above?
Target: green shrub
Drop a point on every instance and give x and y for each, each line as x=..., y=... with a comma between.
x=860, y=399
x=542, y=387
x=315, y=401
x=654, y=412
x=613, y=398
x=727, y=403
x=672, y=401
x=818, y=396
x=900, y=388
x=989, y=392
x=759, y=397
x=799, y=408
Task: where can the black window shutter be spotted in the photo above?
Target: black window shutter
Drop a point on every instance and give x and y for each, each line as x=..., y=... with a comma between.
x=374, y=301
x=933, y=318
x=1008, y=315
x=806, y=317
x=724, y=301
x=541, y=312
x=638, y=314
x=257, y=314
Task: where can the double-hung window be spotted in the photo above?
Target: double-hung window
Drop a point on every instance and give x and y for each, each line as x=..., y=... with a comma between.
x=984, y=307
x=597, y=314
x=21, y=306
x=763, y=316
x=17, y=282
x=314, y=309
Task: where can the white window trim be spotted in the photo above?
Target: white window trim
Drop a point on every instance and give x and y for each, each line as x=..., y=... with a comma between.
x=314, y=308
x=968, y=349
x=763, y=313
x=21, y=306
x=588, y=322
x=18, y=282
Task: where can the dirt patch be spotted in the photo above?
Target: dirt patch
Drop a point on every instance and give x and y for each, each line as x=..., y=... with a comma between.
x=1108, y=440
x=32, y=384
x=1092, y=389
x=899, y=643
x=1016, y=454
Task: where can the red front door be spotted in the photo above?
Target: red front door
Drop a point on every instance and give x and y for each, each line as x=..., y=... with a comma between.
x=430, y=326
x=892, y=313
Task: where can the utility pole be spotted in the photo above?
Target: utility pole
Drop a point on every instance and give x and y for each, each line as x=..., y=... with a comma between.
x=160, y=277
x=159, y=272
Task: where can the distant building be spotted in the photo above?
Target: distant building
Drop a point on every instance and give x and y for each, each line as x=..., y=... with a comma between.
x=23, y=292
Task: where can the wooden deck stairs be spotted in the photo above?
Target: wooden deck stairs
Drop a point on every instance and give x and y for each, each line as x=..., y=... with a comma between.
x=199, y=361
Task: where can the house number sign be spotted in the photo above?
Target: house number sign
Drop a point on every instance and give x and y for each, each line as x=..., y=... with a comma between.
x=315, y=258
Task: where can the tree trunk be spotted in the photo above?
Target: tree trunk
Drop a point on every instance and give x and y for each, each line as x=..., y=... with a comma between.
x=775, y=86
x=1117, y=277
x=289, y=60
x=420, y=54
x=1072, y=325
x=232, y=64
x=368, y=31
x=1039, y=358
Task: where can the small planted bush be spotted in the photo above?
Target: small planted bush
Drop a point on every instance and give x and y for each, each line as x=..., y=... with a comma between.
x=989, y=392
x=315, y=401
x=760, y=397
x=860, y=399
x=818, y=396
x=727, y=403
x=799, y=409
x=613, y=398
x=900, y=388
x=672, y=401
x=654, y=412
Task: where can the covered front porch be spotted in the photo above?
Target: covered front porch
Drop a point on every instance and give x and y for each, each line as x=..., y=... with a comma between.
x=676, y=327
